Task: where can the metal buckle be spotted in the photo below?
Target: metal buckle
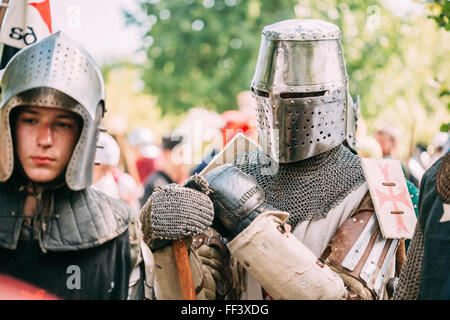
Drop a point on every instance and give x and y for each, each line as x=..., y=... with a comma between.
x=207, y=240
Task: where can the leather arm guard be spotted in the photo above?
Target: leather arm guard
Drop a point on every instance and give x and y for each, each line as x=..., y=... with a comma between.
x=281, y=264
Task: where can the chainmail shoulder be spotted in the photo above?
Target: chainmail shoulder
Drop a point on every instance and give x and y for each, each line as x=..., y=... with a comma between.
x=307, y=189
x=442, y=178
x=409, y=280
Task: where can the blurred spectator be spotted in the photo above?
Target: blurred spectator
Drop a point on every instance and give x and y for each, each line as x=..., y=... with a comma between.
x=234, y=121
x=172, y=168
x=108, y=178
x=368, y=147
x=388, y=140
x=128, y=188
x=439, y=146
x=417, y=164
x=141, y=140
x=107, y=157
x=247, y=105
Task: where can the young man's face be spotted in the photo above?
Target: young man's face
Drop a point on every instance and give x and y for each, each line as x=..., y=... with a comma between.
x=45, y=139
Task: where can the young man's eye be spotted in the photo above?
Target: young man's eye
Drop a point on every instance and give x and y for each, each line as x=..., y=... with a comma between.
x=29, y=120
x=64, y=125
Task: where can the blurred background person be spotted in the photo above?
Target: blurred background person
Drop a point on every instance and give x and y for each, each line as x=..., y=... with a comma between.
x=107, y=177
x=170, y=168
x=417, y=163
x=387, y=137
x=247, y=105
x=439, y=146
x=368, y=147
x=242, y=120
x=141, y=142
x=107, y=157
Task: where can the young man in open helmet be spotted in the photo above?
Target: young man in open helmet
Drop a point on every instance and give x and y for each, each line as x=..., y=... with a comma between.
x=298, y=214
x=56, y=232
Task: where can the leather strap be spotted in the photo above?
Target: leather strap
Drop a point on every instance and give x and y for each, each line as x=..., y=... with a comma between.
x=218, y=244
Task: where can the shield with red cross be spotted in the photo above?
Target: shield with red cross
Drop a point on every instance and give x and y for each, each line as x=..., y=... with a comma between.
x=390, y=196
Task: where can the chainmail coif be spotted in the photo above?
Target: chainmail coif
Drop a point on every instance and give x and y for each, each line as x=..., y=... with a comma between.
x=307, y=189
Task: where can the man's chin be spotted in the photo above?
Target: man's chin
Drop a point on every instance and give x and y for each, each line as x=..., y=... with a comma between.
x=41, y=175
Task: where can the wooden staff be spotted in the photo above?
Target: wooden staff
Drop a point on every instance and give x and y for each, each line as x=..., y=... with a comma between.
x=128, y=156
x=184, y=270
x=4, y=6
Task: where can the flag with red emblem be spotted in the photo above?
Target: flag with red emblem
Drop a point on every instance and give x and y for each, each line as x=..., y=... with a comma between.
x=26, y=22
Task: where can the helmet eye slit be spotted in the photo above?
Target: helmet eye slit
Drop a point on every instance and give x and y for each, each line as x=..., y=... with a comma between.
x=294, y=95
x=260, y=93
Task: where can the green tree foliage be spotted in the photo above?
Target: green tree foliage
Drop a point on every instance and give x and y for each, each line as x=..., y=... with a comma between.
x=440, y=12
x=397, y=62
x=203, y=52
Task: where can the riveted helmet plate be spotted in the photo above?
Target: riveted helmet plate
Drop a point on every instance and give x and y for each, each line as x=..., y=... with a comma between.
x=300, y=85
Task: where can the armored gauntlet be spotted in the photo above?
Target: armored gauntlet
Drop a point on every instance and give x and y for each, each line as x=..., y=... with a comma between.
x=237, y=199
x=174, y=212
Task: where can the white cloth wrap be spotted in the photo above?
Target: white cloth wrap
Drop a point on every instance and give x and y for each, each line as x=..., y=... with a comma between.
x=281, y=264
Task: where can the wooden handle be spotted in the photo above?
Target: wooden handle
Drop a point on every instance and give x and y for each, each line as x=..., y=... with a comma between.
x=184, y=270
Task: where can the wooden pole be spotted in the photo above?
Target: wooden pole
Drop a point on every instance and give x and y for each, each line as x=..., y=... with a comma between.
x=3, y=8
x=128, y=156
x=184, y=270
x=7, y=51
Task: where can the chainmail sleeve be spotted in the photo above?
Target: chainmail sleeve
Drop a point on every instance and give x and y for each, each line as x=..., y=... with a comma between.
x=409, y=282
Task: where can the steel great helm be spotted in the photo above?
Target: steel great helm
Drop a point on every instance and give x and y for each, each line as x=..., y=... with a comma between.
x=58, y=73
x=300, y=85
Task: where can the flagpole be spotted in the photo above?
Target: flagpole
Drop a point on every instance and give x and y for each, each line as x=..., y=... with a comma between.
x=8, y=52
x=3, y=6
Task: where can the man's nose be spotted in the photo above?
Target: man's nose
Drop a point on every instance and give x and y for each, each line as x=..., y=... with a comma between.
x=45, y=136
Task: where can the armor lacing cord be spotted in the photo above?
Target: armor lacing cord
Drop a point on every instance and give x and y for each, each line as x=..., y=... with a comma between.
x=44, y=195
x=45, y=205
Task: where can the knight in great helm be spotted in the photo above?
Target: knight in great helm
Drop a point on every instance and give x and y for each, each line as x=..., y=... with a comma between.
x=299, y=217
